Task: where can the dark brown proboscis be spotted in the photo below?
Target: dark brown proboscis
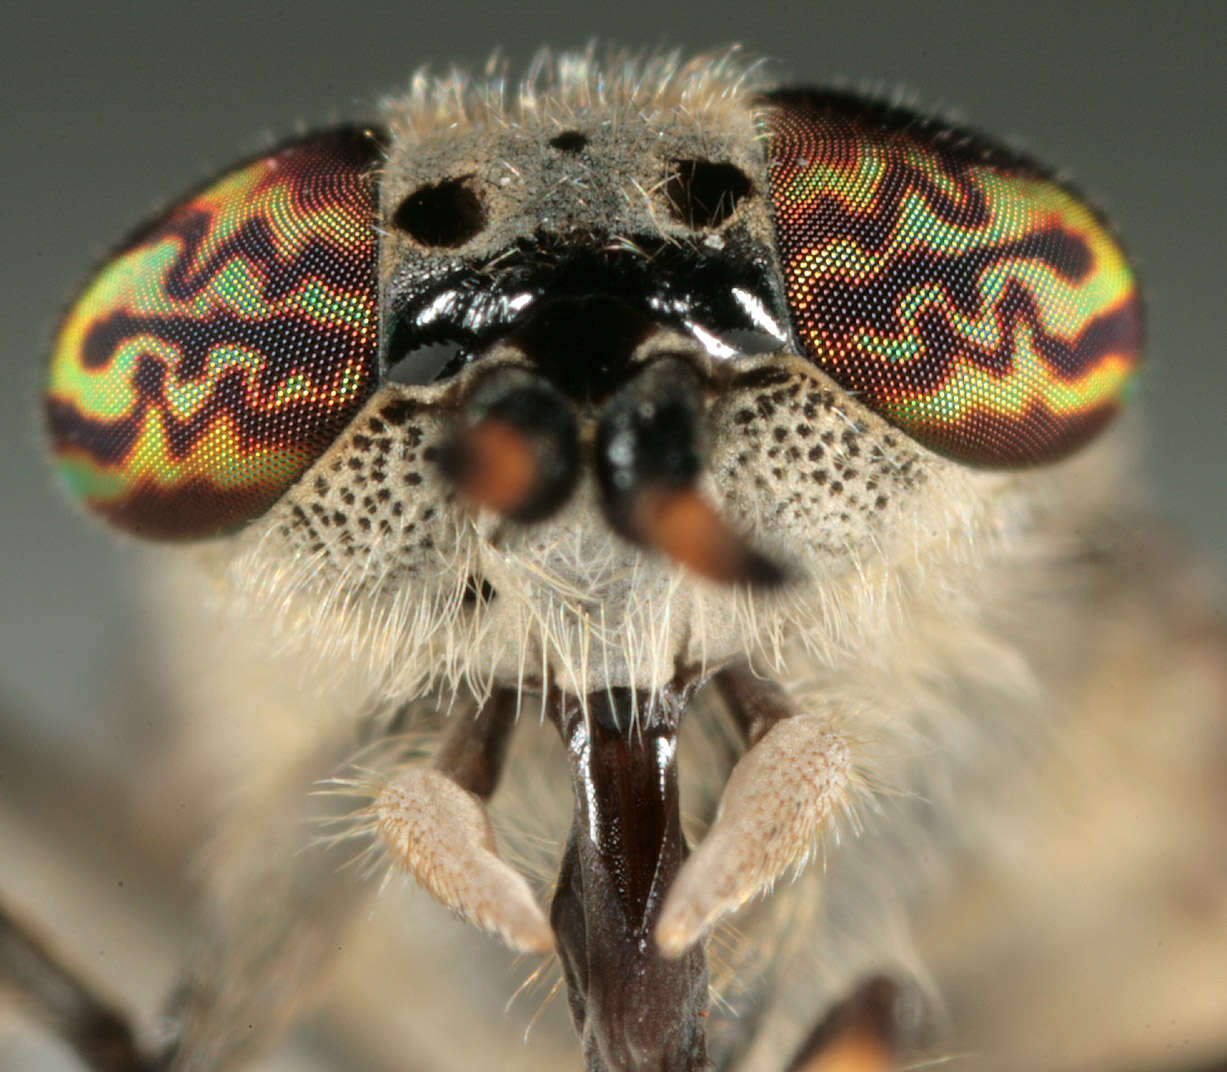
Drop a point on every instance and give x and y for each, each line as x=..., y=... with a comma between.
x=632, y=1008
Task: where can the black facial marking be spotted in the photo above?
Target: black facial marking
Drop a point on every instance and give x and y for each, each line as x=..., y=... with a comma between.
x=583, y=345
x=570, y=141
x=446, y=214
x=576, y=308
x=703, y=194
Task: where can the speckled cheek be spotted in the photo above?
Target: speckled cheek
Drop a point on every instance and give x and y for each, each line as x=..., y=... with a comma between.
x=802, y=467
x=376, y=501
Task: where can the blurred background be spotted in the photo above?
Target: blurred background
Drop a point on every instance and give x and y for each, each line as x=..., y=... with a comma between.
x=110, y=109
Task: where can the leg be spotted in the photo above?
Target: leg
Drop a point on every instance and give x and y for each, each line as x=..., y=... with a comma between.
x=65, y=1001
x=860, y=1034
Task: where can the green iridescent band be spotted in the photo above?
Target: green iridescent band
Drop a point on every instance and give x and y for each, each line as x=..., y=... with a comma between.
x=957, y=288
x=222, y=349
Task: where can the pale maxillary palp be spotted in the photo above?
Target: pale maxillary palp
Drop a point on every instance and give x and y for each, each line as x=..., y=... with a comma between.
x=773, y=808
x=433, y=822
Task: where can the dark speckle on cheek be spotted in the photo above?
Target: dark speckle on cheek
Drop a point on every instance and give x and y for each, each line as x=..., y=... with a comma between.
x=802, y=460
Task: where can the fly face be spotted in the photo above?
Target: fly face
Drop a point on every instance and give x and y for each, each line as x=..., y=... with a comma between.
x=642, y=386
x=774, y=275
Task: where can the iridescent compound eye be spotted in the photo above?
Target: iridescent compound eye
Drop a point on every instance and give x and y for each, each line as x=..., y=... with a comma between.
x=221, y=350
x=955, y=287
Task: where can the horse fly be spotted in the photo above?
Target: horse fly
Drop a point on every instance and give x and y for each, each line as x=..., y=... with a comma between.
x=682, y=522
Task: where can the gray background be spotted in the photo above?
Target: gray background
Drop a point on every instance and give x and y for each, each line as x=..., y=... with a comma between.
x=109, y=109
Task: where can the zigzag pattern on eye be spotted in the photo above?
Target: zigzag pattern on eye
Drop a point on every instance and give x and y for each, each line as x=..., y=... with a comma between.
x=225, y=344
x=873, y=302
x=940, y=347
x=968, y=296
x=264, y=403
x=247, y=395
x=255, y=241
x=841, y=309
x=875, y=227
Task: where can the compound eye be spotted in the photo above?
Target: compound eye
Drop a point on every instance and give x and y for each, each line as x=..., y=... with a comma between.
x=955, y=287
x=221, y=350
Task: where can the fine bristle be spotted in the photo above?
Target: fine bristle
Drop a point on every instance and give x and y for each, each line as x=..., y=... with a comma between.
x=556, y=86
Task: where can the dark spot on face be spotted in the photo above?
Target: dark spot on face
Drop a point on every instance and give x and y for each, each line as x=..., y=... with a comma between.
x=443, y=215
x=703, y=194
x=478, y=590
x=396, y=413
x=760, y=378
x=570, y=141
